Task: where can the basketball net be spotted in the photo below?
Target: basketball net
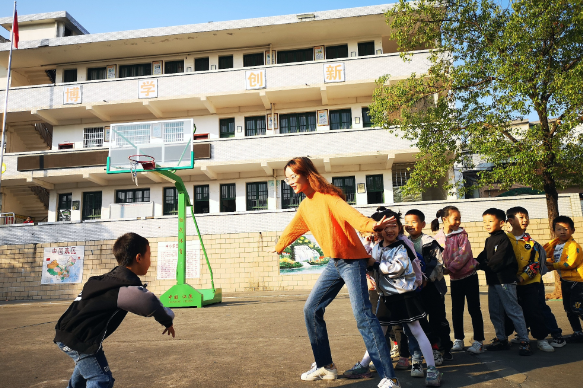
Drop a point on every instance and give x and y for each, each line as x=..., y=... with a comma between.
x=134, y=170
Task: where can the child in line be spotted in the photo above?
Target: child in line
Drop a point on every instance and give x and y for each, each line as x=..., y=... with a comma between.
x=434, y=287
x=461, y=266
x=528, y=276
x=499, y=262
x=566, y=256
x=395, y=279
x=101, y=307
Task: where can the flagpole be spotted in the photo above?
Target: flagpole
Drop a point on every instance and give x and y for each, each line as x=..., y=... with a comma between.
x=6, y=102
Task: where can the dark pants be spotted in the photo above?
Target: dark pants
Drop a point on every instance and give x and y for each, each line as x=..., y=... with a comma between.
x=437, y=327
x=528, y=299
x=573, y=302
x=550, y=320
x=467, y=288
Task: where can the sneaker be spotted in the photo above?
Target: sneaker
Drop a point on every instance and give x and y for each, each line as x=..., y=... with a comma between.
x=433, y=378
x=497, y=344
x=558, y=342
x=403, y=364
x=322, y=373
x=515, y=340
x=389, y=383
x=447, y=356
x=417, y=370
x=575, y=338
x=395, y=350
x=544, y=346
x=357, y=372
x=371, y=367
x=458, y=345
x=476, y=348
x=438, y=357
x=524, y=349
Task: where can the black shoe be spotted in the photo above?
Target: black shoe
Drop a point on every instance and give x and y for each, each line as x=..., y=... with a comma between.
x=524, y=349
x=498, y=345
x=447, y=356
x=575, y=338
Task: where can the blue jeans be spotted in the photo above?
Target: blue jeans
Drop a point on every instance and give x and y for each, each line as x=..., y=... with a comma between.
x=352, y=273
x=91, y=370
x=502, y=299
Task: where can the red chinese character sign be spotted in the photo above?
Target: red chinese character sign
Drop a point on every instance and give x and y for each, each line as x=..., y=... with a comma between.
x=148, y=88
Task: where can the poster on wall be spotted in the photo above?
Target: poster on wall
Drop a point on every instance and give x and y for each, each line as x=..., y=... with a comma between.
x=168, y=259
x=303, y=256
x=63, y=265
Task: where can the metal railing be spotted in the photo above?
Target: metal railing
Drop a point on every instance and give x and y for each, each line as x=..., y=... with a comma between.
x=46, y=132
x=7, y=218
x=42, y=194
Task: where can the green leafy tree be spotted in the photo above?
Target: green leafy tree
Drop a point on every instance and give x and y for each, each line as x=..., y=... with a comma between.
x=490, y=65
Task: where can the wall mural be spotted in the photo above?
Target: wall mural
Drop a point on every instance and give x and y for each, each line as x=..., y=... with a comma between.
x=303, y=256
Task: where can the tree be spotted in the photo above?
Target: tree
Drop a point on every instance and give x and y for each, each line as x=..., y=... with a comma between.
x=490, y=66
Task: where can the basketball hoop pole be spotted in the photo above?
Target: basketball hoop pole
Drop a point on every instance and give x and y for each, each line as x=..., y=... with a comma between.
x=182, y=294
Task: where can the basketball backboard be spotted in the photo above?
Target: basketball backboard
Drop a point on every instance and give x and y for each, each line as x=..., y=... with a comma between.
x=169, y=142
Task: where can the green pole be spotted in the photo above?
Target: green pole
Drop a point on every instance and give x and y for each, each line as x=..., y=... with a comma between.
x=181, y=265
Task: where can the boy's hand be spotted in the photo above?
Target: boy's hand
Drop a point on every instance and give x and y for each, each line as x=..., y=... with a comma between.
x=446, y=271
x=519, y=279
x=550, y=267
x=370, y=262
x=170, y=331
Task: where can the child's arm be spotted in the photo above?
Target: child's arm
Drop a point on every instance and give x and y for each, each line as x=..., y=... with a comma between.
x=343, y=211
x=461, y=255
x=533, y=266
x=437, y=255
x=502, y=256
x=140, y=301
x=295, y=229
x=574, y=257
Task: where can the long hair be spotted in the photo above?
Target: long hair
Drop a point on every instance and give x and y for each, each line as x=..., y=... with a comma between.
x=441, y=214
x=303, y=166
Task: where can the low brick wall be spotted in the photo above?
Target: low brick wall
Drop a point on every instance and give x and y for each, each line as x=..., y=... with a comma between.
x=240, y=262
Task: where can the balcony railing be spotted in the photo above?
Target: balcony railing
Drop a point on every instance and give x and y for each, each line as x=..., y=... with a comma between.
x=217, y=82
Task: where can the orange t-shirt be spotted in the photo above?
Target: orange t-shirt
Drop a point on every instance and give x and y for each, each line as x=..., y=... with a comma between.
x=332, y=222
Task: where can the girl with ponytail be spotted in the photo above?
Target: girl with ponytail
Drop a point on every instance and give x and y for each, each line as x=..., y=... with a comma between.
x=459, y=263
x=332, y=221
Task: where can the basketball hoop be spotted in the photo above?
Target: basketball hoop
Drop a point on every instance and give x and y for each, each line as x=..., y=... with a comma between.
x=146, y=161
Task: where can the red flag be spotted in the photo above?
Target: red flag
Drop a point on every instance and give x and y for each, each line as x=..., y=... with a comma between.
x=15, y=29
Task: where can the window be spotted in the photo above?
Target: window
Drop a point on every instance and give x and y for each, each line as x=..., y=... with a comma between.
x=170, y=201
x=302, y=55
x=92, y=137
x=253, y=60
x=297, y=122
x=255, y=126
x=341, y=119
x=173, y=67
x=289, y=199
x=137, y=70
x=226, y=62
x=402, y=174
x=228, y=198
x=346, y=183
x=132, y=196
x=333, y=52
x=201, y=199
x=201, y=64
x=70, y=75
x=95, y=73
x=375, y=189
x=365, y=48
x=91, y=206
x=257, y=196
x=227, y=127
x=366, y=119
x=64, y=207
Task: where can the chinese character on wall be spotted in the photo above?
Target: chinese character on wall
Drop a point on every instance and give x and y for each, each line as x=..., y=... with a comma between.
x=72, y=94
x=255, y=79
x=333, y=72
x=148, y=88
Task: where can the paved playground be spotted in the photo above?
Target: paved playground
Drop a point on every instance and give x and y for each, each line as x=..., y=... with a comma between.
x=252, y=340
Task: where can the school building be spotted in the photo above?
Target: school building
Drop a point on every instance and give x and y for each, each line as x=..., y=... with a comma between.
x=259, y=92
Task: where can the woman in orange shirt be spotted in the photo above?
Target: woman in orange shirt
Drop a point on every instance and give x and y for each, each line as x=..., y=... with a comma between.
x=332, y=221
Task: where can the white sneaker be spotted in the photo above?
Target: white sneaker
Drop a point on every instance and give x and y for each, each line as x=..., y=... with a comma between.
x=417, y=370
x=322, y=373
x=476, y=348
x=458, y=345
x=438, y=357
x=544, y=346
x=395, y=350
x=515, y=340
x=389, y=383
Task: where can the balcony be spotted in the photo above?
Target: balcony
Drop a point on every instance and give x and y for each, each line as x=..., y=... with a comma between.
x=250, y=156
x=200, y=93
